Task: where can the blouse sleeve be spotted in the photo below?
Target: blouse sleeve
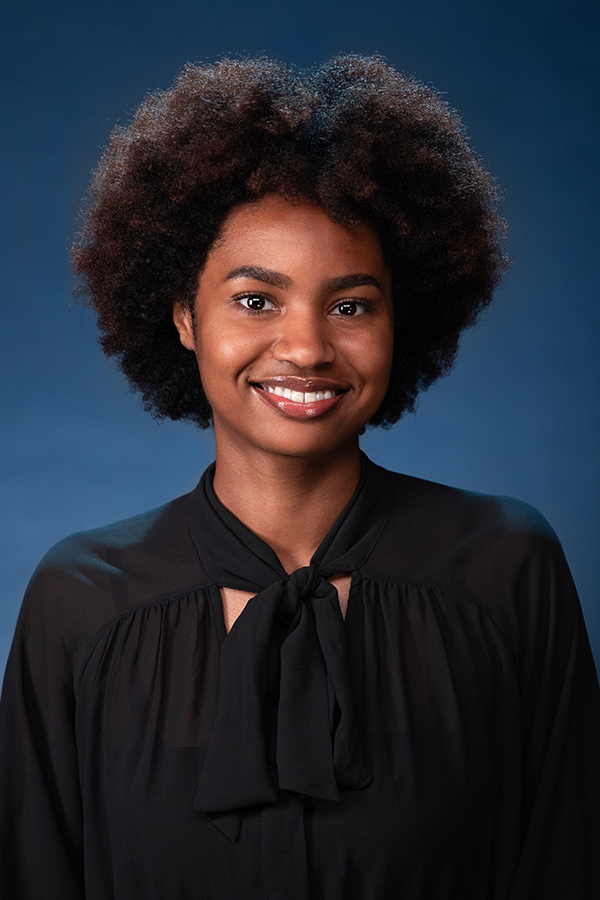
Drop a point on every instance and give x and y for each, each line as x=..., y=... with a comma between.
x=40, y=803
x=560, y=847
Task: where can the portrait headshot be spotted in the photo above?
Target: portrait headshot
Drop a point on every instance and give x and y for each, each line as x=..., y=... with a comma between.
x=300, y=457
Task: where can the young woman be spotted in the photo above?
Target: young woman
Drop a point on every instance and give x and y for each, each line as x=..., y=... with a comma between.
x=310, y=677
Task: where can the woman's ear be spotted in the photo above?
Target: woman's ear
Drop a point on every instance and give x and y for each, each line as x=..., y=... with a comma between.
x=182, y=317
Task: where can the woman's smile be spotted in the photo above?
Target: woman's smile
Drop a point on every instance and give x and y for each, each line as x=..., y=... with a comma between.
x=300, y=397
x=293, y=332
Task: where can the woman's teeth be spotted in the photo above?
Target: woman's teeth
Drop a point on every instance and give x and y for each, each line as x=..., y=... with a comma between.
x=298, y=396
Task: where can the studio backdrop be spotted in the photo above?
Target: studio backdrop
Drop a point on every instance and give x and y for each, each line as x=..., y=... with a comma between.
x=518, y=416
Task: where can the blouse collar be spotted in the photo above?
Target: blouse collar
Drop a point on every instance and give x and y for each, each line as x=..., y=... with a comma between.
x=235, y=557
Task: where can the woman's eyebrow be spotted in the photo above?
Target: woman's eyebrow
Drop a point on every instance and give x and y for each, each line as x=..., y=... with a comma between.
x=267, y=276
x=278, y=279
x=345, y=282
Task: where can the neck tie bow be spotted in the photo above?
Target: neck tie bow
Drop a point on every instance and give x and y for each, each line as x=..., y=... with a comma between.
x=285, y=718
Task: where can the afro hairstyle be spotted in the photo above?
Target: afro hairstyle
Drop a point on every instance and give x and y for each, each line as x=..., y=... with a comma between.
x=364, y=141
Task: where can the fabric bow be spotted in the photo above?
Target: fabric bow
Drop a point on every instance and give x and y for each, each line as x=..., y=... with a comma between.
x=285, y=718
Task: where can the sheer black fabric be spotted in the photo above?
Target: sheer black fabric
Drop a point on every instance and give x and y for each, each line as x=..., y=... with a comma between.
x=441, y=743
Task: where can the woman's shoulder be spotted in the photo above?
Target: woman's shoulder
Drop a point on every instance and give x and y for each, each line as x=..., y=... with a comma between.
x=91, y=576
x=446, y=535
x=493, y=551
x=131, y=543
x=446, y=512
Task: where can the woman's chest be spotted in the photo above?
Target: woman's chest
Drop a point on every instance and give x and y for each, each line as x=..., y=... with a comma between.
x=436, y=706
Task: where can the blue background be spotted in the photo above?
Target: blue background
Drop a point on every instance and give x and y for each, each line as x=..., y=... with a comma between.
x=520, y=413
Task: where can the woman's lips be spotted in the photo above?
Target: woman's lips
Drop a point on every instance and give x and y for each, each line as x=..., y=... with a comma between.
x=300, y=398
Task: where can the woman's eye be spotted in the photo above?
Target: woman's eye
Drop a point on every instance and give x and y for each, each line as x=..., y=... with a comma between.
x=255, y=303
x=349, y=308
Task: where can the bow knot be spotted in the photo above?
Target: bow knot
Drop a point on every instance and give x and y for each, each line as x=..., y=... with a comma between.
x=302, y=584
x=305, y=580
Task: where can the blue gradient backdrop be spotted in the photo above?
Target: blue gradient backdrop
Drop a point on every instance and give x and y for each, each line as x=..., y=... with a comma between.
x=520, y=413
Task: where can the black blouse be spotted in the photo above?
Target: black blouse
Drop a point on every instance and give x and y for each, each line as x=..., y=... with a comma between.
x=441, y=743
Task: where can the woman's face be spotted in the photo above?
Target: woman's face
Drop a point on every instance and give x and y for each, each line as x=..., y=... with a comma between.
x=293, y=330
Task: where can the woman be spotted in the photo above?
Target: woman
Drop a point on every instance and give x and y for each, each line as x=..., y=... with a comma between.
x=310, y=677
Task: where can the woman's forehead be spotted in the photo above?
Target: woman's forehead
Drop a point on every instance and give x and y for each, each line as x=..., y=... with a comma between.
x=275, y=226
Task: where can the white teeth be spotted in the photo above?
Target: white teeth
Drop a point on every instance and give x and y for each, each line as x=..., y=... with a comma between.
x=298, y=396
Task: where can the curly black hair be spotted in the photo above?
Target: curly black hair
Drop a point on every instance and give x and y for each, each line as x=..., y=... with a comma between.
x=364, y=141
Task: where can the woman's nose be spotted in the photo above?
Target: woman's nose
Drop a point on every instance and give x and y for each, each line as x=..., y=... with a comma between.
x=305, y=340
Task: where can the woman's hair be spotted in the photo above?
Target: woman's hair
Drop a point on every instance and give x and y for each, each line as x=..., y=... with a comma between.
x=364, y=141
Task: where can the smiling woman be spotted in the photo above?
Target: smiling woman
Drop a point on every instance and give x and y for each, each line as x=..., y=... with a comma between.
x=310, y=678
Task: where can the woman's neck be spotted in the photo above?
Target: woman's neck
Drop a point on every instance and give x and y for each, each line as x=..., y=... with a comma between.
x=289, y=502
